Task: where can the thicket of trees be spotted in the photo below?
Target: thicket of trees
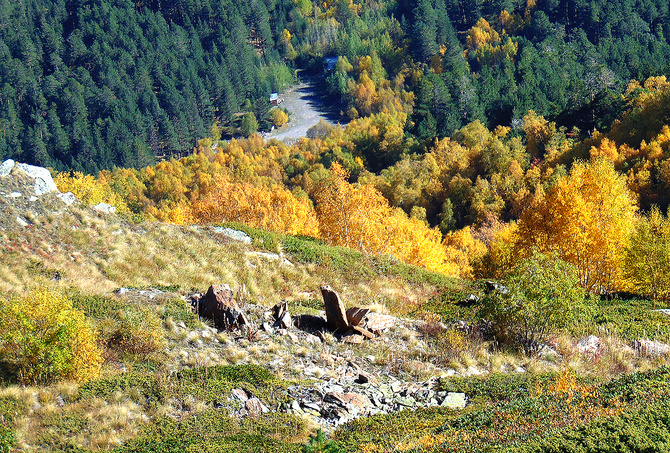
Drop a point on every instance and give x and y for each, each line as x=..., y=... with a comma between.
x=473, y=205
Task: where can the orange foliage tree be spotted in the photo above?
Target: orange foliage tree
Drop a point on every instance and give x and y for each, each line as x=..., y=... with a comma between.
x=274, y=208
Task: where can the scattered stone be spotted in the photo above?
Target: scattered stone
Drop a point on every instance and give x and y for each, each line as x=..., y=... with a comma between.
x=352, y=338
x=364, y=378
x=219, y=305
x=651, y=348
x=68, y=198
x=21, y=222
x=589, y=345
x=105, y=208
x=294, y=338
x=236, y=235
x=455, y=400
x=60, y=401
x=336, y=317
x=14, y=195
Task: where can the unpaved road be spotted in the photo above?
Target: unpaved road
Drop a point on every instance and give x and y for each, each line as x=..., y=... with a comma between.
x=306, y=109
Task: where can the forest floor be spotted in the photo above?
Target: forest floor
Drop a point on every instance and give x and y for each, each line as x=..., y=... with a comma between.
x=306, y=108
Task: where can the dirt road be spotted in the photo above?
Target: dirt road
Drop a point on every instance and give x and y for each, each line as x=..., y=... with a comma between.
x=306, y=109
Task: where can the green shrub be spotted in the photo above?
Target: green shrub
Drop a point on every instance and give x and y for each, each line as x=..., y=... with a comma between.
x=632, y=320
x=319, y=444
x=497, y=386
x=214, y=431
x=543, y=295
x=43, y=339
x=178, y=311
x=7, y=438
x=211, y=384
x=147, y=387
x=136, y=330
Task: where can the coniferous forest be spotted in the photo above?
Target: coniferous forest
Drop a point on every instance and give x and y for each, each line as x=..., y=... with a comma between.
x=89, y=85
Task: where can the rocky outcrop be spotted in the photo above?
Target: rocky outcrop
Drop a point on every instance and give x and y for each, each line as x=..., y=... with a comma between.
x=43, y=183
x=336, y=316
x=219, y=306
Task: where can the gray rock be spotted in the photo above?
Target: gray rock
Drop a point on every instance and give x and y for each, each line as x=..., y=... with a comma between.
x=44, y=183
x=68, y=198
x=651, y=348
x=21, y=222
x=406, y=401
x=455, y=400
x=589, y=345
x=105, y=208
x=236, y=235
x=6, y=167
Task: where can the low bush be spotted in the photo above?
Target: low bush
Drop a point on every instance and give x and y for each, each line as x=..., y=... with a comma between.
x=43, y=338
x=7, y=438
x=144, y=386
x=646, y=430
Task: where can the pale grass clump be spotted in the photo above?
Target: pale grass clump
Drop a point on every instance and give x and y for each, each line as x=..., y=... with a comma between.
x=234, y=355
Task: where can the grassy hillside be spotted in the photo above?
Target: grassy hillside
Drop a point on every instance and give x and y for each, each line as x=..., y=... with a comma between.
x=167, y=378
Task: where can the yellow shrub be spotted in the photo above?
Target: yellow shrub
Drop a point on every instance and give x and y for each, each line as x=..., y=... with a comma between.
x=43, y=339
x=89, y=190
x=279, y=117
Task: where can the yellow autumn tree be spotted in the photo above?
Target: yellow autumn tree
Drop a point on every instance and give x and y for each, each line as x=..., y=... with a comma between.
x=359, y=217
x=586, y=219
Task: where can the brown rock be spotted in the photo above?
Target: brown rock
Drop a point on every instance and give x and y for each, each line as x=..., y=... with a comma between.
x=254, y=407
x=336, y=317
x=220, y=306
x=355, y=315
x=240, y=394
x=378, y=323
x=357, y=400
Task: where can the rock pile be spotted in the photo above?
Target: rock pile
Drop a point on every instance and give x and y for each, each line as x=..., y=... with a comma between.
x=331, y=403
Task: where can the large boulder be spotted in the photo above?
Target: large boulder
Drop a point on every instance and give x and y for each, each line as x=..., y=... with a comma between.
x=219, y=305
x=43, y=182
